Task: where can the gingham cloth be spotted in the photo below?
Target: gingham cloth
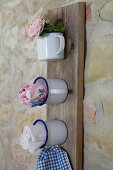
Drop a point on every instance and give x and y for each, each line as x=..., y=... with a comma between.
x=53, y=158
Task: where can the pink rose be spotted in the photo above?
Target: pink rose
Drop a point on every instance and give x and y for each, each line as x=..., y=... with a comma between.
x=24, y=31
x=36, y=28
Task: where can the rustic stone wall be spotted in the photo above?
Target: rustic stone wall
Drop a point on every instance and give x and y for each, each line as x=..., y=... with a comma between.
x=98, y=102
x=19, y=66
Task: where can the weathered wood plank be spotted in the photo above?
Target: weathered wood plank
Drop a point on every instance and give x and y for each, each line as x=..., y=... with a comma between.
x=71, y=69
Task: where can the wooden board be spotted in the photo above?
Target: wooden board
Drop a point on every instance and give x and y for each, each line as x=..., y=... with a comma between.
x=71, y=69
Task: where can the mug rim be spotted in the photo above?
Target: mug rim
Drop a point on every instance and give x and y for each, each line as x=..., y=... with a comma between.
x=39, y=120
x=47, y=89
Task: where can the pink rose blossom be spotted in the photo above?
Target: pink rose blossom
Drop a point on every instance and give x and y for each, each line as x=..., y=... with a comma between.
x=24, y=31
x=31, y=31
x=36, y=28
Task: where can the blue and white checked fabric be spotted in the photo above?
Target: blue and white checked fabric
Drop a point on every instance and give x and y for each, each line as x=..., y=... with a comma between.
x=53, y=158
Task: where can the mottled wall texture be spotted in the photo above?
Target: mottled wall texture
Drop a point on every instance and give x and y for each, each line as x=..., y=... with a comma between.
x=19, y=66
x=98, y=102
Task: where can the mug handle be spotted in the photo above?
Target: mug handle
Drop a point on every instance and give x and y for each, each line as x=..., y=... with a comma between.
x=58, y=91
x=62, y=44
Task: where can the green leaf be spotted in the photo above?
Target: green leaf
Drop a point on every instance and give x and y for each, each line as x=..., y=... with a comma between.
x=57, y=27
x=46, y=25
x=62, y=29
x=59, y=23
x=49, y=28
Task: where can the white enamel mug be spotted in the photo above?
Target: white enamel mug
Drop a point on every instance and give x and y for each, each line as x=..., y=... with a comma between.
x=56, y=132
x=50, y=46
x=58, y=91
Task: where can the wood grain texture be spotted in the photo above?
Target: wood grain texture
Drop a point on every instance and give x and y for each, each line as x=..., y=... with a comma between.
x=71, y=69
